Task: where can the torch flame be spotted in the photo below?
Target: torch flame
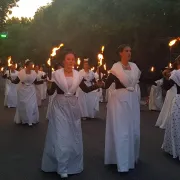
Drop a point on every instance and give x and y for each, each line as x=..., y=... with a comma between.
x=170, y=65
x=105, y=67
x=53, y=70
x=92, y=69
x=2, y=69
x=9, y=61
x=16, y=65
x=152, y=69
x=55, y=49
x=102, y=49
x=49, y=62
x=100, y=58
x=78, y=61
x=171, y=43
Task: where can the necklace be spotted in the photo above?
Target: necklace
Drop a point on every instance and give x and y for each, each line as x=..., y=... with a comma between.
x=125, y=66
x=68, y=72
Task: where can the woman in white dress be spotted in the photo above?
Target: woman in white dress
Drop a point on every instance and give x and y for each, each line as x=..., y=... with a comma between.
x=39, y=87
x=122, y=139
x=89, y=103
x=10, y=99
x=171, y=143
x=166, y=109
x=27, y=108
x=63, y=152
x=156, y=97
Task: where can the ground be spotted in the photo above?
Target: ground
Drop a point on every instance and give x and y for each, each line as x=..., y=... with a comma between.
x=22, y=147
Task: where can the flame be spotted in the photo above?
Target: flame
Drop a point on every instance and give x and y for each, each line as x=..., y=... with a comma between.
x=16, y=65
x=55, y=49
x=53, y=70
x=100, y=58
x=33, y=66
x=77, y=67
x=171, y=43
x=105, y=67
x=152, y=69
x=170, y=65
x=2, y=69
x=9, y=61
x=109, y=72
x=49, y=62
x=92, y=69
x=102, y=49
x=78, y=61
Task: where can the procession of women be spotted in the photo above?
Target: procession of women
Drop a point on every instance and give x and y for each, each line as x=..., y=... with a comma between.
x=74, y=95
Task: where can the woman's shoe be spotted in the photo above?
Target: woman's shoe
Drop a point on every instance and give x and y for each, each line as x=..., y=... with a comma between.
x=64, y=175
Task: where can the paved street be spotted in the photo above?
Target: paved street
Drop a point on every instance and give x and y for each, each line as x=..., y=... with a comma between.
x=22, y=146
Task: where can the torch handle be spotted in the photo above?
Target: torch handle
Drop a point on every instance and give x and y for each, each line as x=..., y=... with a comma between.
x=100, y=78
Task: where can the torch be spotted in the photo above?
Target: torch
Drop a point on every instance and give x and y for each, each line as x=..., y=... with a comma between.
x=100, y=60
x=92, y=69
x=9, y=65
x=170, y=65
x=152, y=69
x=2, y=69
x=171, y=44
x=50, y=68
x=78, y=63
x=49, y=61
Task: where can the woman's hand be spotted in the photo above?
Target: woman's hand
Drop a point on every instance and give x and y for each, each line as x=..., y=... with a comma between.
x=100, y=84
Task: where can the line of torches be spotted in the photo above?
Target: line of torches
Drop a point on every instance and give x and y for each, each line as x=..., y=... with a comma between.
x=100, y=57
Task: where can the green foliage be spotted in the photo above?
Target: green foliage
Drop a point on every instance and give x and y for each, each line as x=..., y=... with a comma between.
x=5, y=6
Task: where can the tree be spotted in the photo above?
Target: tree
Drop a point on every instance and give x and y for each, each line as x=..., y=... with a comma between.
x=85, y=26
x=5, y=9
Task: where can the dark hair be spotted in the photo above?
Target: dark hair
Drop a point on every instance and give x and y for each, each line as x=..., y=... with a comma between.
x=121, y=48
x=28, y=63
x=68, y=51
x=56, y=66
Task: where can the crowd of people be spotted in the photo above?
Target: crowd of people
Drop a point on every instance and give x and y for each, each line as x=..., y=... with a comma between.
x=75, y=96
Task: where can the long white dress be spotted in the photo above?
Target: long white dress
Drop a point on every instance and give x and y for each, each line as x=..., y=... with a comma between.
x=171, y=143
x=63, y=152
x=122, y=140
x=88, y=102
x=156, y=98
x=27, y=109
x=48, y=114
x=166, y=109
x=39, y=88
x=10, y=99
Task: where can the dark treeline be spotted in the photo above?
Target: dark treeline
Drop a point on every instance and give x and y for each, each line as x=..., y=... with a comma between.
x=85, y=26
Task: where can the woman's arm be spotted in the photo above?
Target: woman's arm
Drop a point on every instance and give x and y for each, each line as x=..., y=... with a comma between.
x=16, y=81
x=110, y=79
x=168, y=84
x=51, y=88
x=36, y=82
x=87, y=89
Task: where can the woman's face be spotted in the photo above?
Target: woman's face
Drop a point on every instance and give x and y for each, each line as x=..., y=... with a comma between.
x=36, y=68
x=69, y=61
x=30, y=66
x=86, y=65
x=126, y=54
